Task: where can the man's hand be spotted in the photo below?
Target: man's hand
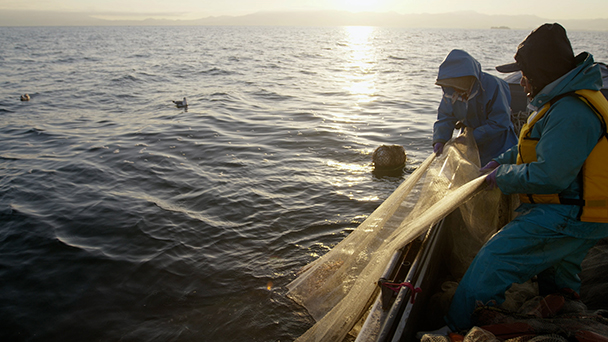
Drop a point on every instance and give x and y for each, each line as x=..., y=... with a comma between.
x=489, y=167
x=491, y=180
x=438, y=148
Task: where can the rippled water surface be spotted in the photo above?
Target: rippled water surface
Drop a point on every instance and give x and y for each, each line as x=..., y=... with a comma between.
x=125, y=218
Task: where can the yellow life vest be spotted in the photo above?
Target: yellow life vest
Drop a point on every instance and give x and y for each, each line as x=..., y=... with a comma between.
x=595, y=169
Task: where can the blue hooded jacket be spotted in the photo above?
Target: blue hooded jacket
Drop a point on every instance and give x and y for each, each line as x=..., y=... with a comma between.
x=567, y=134
x=488, y=112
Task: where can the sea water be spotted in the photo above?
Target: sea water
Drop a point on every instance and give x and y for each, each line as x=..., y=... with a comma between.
x=123, y=217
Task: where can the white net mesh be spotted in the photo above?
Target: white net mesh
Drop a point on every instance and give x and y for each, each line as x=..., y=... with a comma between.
x=337, y=288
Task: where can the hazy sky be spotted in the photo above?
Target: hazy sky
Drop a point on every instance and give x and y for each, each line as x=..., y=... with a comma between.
x=194, y=9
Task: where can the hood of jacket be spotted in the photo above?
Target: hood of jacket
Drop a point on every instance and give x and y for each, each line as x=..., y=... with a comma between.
x=586, y=75
x=459, y=63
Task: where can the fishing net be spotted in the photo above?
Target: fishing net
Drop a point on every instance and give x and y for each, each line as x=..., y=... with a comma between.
x=569, y=321
x=594, y=287
x=337, y=288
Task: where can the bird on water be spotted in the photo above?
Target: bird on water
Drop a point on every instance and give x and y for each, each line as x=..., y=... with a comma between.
x=181, y=104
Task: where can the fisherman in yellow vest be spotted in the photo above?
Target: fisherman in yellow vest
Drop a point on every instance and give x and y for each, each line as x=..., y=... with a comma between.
x=560, y=170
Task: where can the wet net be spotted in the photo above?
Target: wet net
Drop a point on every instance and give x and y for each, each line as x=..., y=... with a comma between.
x=337, y=288
x=568, y=320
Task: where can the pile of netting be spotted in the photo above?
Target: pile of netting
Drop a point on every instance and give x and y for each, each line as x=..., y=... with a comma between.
x=337, y=288
x=558, y=317
x=519, y=119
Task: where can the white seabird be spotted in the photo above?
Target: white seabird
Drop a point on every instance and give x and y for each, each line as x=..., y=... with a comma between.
x=181, y=104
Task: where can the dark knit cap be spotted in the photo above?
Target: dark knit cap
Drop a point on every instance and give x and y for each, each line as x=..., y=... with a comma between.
x=544, y=56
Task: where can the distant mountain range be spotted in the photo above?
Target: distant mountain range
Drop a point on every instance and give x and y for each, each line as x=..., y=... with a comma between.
x=464, y=19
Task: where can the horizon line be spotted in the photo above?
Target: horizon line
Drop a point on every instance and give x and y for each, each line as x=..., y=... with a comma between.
x=453, y=19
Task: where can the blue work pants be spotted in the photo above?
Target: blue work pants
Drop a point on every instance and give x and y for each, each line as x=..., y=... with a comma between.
x=515, y=254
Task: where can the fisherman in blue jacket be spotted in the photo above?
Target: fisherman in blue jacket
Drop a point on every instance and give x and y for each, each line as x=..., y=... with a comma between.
x=552, y=234
x=475, y=99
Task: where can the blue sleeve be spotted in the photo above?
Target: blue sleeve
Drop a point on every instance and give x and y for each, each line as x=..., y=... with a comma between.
x=568, y=133
x=498, y=112
x=446, y=121
x=509, y=156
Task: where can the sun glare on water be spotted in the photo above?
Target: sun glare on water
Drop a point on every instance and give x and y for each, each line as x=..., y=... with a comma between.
x=361, y=62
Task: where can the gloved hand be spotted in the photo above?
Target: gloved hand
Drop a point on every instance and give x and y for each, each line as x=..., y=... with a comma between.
x=491, y=180
x=438, y=148
x=489, y=167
